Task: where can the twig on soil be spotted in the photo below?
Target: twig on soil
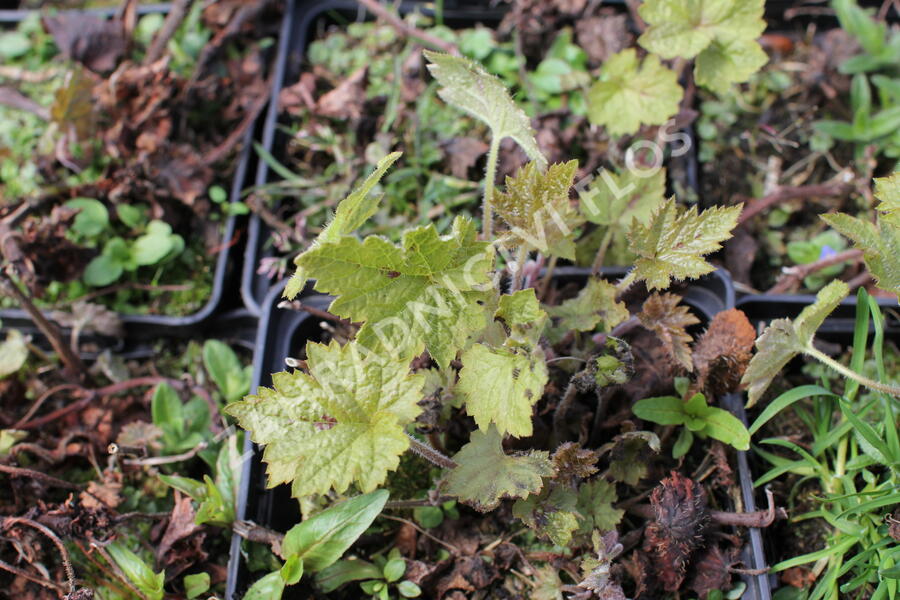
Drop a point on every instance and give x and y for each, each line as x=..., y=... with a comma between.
x=91, y=395
x=42, y=477
x=405, y=29
x=453, y=549
x=248, y=12
x=173, y=20
x=67, y=562
x=316, y=312
x=237, y=134
x=792, y=276
x=43, y=398
x=20, y=74
x=74, y=369
x=15, y=99
x=165, y=460
x=34, y=578
x=252, y=532
x=785, y=193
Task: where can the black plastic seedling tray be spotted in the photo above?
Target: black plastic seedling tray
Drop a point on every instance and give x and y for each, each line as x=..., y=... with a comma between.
x=283, y=332
x=144, y=326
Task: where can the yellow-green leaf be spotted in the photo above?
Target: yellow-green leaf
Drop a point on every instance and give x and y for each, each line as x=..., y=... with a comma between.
x=501, y=385
x=594, y=304
x=342, y=423
x=421, y=294
x=631, y=93
x=351, y=213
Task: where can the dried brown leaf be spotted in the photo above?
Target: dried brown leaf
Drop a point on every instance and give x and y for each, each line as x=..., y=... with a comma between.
x=722, y=353
x=662, y=315
x=572, y=462
x=680, y=521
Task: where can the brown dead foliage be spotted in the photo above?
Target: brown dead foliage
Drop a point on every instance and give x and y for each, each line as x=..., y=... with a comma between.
x=680, y=521
x=722, y=353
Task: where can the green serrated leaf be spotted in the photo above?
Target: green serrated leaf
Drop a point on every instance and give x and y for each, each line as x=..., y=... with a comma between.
x=486, y=474
x=595, y=505
x=321, y=540
x=726, y=62
x=631, y=93
x=468, y=87
x=880, y=243
x=501, y=385
x=672, y=245
x=551, y=513
x=721, y=34
x=537, y=209
x=783, y=340
x=594, y=304
x=519, y=308
x=341, y=423
x=421, y=294
x=628, y=458
x=351, y=213
x=887, y=190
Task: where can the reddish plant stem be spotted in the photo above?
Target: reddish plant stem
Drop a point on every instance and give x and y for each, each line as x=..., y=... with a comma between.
x=785, y=193
x=91, y=395
x=407, y=30
x=67, y=562
x=34, y=578
x=37, y=475
x=793, y=275
x=74, y=369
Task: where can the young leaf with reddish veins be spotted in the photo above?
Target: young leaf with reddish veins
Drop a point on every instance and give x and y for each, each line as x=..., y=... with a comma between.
x=672, y=245
x=537, y=209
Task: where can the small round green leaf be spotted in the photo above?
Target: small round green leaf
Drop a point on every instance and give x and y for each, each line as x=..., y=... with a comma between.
x=92, y=217
x=394, y=569
x=408, y=589
x=102, y=270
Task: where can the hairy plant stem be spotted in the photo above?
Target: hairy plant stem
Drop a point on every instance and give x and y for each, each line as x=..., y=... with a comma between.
x=601, y=251
x=850, y=374
x=487, y=210
x=430, y=454
x=562, y=409
x=521, y=257
x=625, y=283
